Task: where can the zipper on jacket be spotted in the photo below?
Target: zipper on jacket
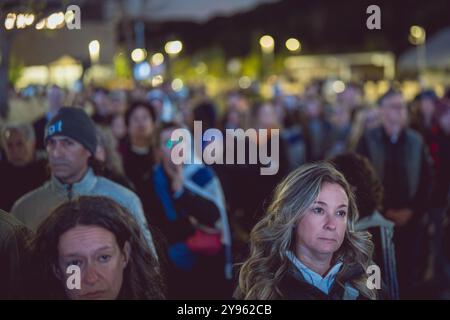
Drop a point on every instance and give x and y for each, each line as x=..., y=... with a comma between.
x=69, y=192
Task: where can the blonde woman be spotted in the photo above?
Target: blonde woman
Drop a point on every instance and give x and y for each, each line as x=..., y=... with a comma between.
x=306, y=246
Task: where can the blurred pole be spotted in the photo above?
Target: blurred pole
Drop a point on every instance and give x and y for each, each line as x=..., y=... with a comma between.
x=417, y=37
x=139, y=31
x=421, y=61
x=267, y=44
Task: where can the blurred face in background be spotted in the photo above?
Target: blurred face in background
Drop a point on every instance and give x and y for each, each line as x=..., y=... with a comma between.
x=312, y=91
x=372, y=118
x=55, y=99
x=102, y=103
x=394, y=114
x=118, y=127
x=427, y=108
x=266, y=117
x=140, y=124
x=233, y=120
x=19, y=151
x=101, y=261
x=313, y=108
x=118, y=102
x=157, y=106
x=350, y=98
x=100, y=153
x=341, y=116
x=166, y=145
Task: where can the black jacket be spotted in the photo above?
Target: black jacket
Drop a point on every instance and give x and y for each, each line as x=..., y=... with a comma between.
x=39, y=131
x=136, y=166
x=294, y=287
x=404, y=168
x=13, y=237
x=17, y=181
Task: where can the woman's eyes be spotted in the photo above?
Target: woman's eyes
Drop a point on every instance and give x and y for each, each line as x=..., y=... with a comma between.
x=74, y=263
x=318, y=210
x=341, y=213
x=104, y=258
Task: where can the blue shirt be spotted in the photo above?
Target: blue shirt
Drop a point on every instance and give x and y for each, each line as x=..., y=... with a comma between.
x=322, y=283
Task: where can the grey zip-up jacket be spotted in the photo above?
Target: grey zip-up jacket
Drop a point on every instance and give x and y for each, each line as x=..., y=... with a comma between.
x=35, y=206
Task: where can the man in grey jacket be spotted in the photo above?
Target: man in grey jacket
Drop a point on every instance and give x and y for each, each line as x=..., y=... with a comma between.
x=70, y=140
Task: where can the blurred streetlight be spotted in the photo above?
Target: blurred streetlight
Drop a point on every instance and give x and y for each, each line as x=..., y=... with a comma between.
x=267, y=47
x=10, y=20
x=21, y=21
x=244, y=82
x=138, y=55
x=417, y=37
x=267, y=43
x=157, y=59
x=157, y=80
x=24, y=20
x=338, y=86
x=40, y=25
x=142, y=71
x=234, y=66
x=177, y=85
x=29, y=19
x=94, y=51
x=69, y=16
x=173, y=48
x=55, y=20
x=201, y=68
x=293, y=45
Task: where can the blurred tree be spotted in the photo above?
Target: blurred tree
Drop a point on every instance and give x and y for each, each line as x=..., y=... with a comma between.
x=251, y=65
x=15, y=70
x=40, y=9
x=122, y=66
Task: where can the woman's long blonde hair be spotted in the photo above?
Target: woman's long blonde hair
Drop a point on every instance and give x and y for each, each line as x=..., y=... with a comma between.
x=261, y=274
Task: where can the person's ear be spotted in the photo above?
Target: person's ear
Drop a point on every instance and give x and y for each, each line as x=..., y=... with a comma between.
x=126, y=251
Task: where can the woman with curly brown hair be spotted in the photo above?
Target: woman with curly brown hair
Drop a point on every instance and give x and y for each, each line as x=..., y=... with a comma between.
x=306, y=246
x=368, y=190
x=101, y=238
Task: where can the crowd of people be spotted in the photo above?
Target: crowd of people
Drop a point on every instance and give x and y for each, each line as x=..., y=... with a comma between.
x=91, y=183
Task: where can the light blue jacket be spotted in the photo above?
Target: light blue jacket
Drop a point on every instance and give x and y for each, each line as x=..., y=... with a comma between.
x=35, y=206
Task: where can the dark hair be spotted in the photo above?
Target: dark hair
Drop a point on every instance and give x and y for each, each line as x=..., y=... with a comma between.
x=159, y=129
x=426, y=94
x=136, y=104
x=391, y=92
x=360, y=174
x=447, y=93
x=101, y=90
x=206, y=112
x=142, y=275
